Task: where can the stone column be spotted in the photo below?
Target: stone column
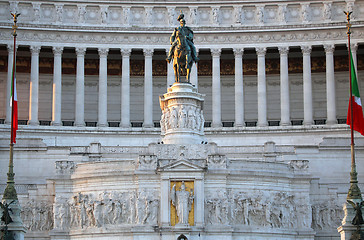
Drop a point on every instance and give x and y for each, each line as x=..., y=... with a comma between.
x=102, y=115
x=307, y=86
x=239, y=88
x=216, y=88
x=8, y=83
x=285, y=104
x=34, y=86
x=262, y=88
x=194, y=73
x=80, y=87
x=125, y=88
x=330, y=85
x=354, y=48
x=148, y=89
x=170, y=72
x=57, y=87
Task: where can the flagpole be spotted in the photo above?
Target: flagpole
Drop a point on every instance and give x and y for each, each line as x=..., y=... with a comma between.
x=354, y=190
x=10, y=192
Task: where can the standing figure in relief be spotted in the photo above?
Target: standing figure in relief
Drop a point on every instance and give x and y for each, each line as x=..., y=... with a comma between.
x=83, y=213
x=174, y=118
x=163, y=122
x=98, y=213
x=131, y=216
x=154, y=207
x=191, y=118
x=90, y=213
x=182, y=200
x=167, y=124
x=182, y=117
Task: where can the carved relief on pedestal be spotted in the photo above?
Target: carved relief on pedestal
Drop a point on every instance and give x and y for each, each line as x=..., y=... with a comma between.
x=183, y=116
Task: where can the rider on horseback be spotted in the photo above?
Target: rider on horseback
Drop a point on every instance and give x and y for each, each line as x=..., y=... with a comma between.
x=188, y=33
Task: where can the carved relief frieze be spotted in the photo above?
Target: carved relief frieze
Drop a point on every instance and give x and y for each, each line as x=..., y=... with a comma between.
x=96, y=210
x=260, y=209
x=326, y=214
x=65, y=167
x=147, y=162
x=37, y=215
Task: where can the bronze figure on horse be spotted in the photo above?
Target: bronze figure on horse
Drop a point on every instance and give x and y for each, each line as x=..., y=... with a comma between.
x=182, y=51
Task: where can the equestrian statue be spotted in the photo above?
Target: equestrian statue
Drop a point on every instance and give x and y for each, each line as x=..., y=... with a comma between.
x=182, y=51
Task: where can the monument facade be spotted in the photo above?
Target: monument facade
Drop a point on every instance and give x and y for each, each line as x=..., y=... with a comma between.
x=248, y=144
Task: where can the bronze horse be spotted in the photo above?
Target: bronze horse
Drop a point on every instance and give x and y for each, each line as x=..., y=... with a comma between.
x=182, y=59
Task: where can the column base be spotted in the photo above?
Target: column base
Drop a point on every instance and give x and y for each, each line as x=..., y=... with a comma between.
x=80, y=124
x=265, y=124
x=102, y=125
x=148, y=125
x=331, y=122
x=53, y=123
x=285, y=123
x=216, y=125
x=308, y=123
x=123, y=125
x=239, y=125
x=33, y=123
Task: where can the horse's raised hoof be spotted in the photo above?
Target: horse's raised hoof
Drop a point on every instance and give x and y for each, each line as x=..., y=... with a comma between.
x=168, y=60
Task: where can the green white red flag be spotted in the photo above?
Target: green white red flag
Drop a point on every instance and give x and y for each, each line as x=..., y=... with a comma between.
x=14, y=105
x=358, y=119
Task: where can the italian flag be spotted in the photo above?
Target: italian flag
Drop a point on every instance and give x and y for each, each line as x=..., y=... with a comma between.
x=14, y=125
x=358, y=119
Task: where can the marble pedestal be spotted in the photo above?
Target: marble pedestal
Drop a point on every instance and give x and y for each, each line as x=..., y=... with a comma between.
x=16, y=228
x=347, y=229
x=182, y=120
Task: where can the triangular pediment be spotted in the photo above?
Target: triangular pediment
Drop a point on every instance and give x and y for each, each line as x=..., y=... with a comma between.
x=181, y=165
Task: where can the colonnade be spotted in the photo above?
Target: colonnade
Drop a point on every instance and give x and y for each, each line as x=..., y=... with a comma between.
x=148, y=86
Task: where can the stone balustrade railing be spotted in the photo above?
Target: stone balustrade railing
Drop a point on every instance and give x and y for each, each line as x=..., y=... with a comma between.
x=215, y=14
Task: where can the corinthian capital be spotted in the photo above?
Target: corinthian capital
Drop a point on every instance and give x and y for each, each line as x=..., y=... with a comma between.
x=216, y=52
x=125, y=52
x=103, y=52
x=306, y=49
x=57, y=50
x=261, y=50
x=35, y=49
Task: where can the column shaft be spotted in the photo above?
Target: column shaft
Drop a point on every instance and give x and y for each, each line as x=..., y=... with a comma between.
x=194, y=73
x=285, y=101
x=216, y=88
x=8, y=83
x=148, y=89
x=57, y=87
x=330, y=85
x=239, y=88
x=80, y=88
x=34, y=86
x=102, y=114
x=125, y=88
x=170, y=72
x=262, y=88
x=307, y=86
